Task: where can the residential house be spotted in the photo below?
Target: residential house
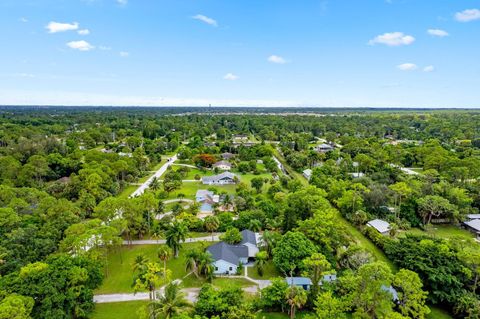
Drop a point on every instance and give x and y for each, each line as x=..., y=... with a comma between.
x=223, y=165
x=381, y=226
x=474, y=226
x=227, y=258
x=306, y=283
x=225, y=178
x=207, y=200
x=240, y=137
x=227, y=156
x=307, y=174
x=323, y=148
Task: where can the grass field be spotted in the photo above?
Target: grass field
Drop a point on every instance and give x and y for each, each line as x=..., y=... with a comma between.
x=270, y=271
x=189, y=189
x=120, y=276
x=443, y=231
x=127, y=191
x=118, y=310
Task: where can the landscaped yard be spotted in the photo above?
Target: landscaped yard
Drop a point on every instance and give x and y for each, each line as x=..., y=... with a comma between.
x=189, y=189
x=120, y=263
x=118, y=310
x=270, y=271
x=443, y=231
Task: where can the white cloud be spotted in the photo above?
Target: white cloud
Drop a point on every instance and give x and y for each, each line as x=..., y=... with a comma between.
x=124, y=54
x=122, y=2
x=276, y=59
x=54, y=27
x=84, y=32
x=392, y=39
x=407, y=67
x=104, y=48
x=438, y=33
x=230, y=77
x=467, y=15
x=80, y=45
x=23, y=19
x=205, y=19
x=429, y=68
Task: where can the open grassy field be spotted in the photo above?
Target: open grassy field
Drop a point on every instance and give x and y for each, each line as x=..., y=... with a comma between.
x=120, y=263
x=128, y=191
x=118, y=310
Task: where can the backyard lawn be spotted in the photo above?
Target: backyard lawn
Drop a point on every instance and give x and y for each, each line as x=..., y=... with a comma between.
x=189, y=189
x=118, y=310
x=443, y=231
x=270, y=271
x=120, y=263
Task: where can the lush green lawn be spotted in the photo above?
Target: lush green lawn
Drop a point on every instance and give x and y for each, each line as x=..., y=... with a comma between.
x=118, y=310
x=232, y=282
x=189, y=189
x=120, y=263
x=443, y=231
x=127, y=191
x=270, y=271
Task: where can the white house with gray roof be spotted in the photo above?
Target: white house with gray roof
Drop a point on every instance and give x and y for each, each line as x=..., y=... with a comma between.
x=227, y=258
x=225, y=178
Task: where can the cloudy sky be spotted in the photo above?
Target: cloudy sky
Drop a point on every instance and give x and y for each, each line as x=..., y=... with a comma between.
x=339, y=53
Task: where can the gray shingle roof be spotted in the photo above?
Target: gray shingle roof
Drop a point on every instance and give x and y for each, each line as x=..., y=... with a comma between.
x=229, y=253
x=218, y=177
x=248, y=236
x=474, y=224
x=298, y=281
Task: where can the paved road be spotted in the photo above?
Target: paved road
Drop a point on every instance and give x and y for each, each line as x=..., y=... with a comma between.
x=163, y=241
x=139, y=191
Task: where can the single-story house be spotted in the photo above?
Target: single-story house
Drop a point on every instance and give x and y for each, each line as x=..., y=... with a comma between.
x=227, y=258
x=474, y=226
x=323, y=148
x=307, y=173
x=206, y=199
x=306, y=283
x=357, y=175
x=381, y=226
x=223, y=165
x=224, y=178
x=227, y=156
x=240, y=137
x=209, y=144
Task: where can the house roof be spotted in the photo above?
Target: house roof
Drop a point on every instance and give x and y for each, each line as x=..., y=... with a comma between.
x=218, y=177
x=227, y=155
x=474, y=224
x=222, y=163
x=298, y=281
x=228, y=253
x=248, y=236
x=473, y=216
x=307, y=171
x=380, y=225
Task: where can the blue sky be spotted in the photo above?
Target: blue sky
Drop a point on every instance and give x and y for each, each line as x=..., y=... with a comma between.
x=339, y=53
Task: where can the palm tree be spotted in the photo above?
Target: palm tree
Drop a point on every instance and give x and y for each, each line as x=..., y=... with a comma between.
x=269, y=241
x=205, y=261
x=176, y=233
x=191, y=261
x=255, y=225
x=211, y=224
x=260, y=262
x=170, y=304
x=296, y=298
x=163, y=254
x=227, y=201
x=154, y=184
x=140, y=263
